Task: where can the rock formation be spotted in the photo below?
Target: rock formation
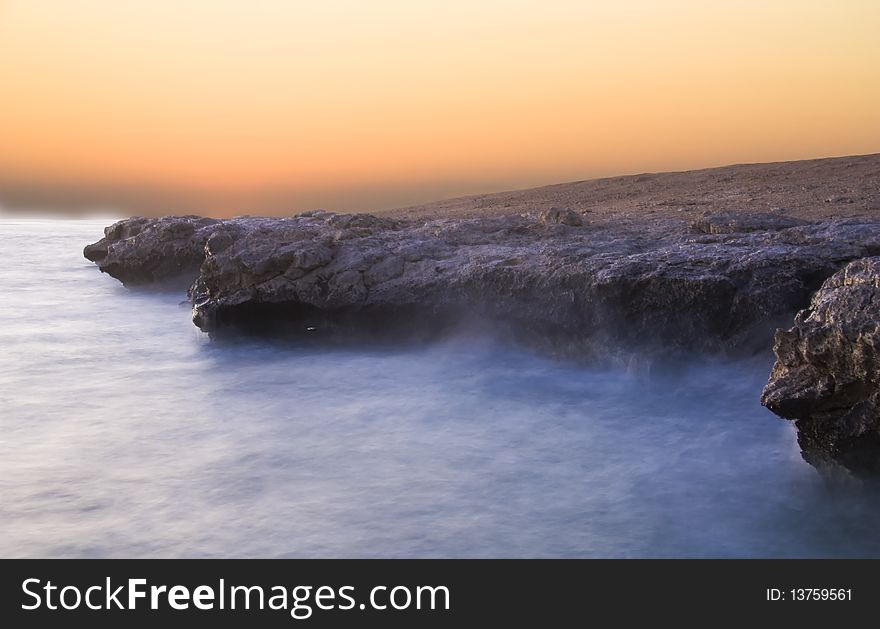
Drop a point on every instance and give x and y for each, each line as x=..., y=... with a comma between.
x=166, y=251
x=560, y=280
x=827, y=372
x=663, y=284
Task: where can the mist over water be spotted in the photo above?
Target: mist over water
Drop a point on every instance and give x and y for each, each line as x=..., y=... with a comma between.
x=125, y=431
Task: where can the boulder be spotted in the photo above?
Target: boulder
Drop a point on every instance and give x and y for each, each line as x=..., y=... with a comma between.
x=827, y=372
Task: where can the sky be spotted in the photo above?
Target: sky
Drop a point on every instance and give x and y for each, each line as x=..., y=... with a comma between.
x=269, y=106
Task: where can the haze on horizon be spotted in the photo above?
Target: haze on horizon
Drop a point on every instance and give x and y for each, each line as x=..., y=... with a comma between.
x=260, y=106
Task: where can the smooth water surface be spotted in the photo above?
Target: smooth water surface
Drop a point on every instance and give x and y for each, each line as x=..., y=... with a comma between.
x=125, y=431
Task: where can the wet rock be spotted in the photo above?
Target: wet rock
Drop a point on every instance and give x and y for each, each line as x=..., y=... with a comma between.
x=827, y=372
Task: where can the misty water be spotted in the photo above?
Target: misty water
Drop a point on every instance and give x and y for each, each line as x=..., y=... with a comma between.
x=125, y=431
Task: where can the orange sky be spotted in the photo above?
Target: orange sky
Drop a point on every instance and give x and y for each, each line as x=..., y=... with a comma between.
x=266, y=105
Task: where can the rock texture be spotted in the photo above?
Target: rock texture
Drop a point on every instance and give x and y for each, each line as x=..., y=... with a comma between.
x=553, y=277
x=839, y=187
x=143, y=251
x=732, y=223
x=827, y=372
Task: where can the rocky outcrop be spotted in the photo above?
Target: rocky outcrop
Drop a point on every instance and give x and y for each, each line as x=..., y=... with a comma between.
x=141, y=251
x=735, y=222
x=554, y=278
x=827, y=372
x=563, y=216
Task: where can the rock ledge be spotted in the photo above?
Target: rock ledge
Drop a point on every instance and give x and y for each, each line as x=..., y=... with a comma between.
x=827, y=372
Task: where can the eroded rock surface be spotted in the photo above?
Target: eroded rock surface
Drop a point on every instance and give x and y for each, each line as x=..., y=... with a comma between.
x=584, y=286
x=827, y=372
x=143, y=251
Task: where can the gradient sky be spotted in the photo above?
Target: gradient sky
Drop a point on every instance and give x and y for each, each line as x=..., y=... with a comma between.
x=266, y=105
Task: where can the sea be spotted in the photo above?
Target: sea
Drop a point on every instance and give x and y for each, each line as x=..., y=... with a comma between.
x=127, y=432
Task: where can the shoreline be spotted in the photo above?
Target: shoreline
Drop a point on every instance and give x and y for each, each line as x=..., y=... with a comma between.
x=595, y=284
